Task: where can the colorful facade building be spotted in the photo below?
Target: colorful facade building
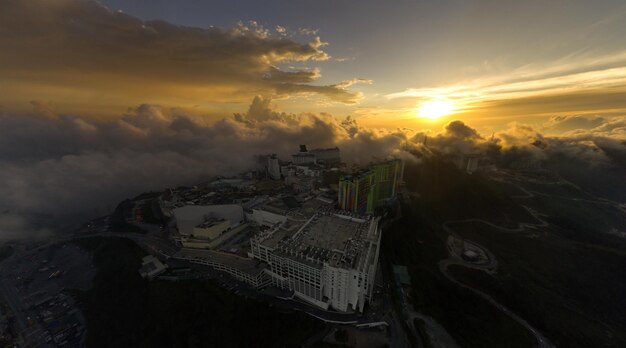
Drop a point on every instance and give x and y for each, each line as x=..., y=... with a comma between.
x=355, y=192
x=366, y=190
x=388, y=175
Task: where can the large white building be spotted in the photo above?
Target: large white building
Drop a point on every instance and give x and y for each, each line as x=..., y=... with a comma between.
x=246, y=270
x=328, y=260
x=151, y=267
x=211, y=228
x=328, y=156
x=192, y=216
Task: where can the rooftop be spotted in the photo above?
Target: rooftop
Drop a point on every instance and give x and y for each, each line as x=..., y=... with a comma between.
x=249, y=266
x=326, y=236
x=210, y=222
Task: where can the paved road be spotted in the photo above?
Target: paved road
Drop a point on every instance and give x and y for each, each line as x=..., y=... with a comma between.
x=154, y=244
x=542, y=341
x=437, y=334
x=398, y=336
x=31, y=335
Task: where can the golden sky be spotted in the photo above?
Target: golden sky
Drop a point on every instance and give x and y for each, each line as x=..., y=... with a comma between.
x=492, y=64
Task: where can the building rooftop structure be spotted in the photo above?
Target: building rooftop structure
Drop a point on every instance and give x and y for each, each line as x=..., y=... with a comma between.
x=401, y=273
x=328, y=156
x=151, y=267
x=210, y=222
x=246, y=265
x=328, y=258
x=336, y=238
x=190, y=216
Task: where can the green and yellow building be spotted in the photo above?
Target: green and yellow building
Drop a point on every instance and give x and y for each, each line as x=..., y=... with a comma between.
x=366, y=190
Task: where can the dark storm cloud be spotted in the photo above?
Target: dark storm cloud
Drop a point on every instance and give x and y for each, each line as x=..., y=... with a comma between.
x=82, y=44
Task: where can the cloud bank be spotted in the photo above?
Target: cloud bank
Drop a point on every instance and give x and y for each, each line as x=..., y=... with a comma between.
x=56, y=163
x=79, y=52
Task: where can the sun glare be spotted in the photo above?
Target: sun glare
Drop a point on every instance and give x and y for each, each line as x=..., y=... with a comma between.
x=435, y=108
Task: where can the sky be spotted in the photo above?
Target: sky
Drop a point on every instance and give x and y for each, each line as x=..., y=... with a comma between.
x=100, y=101
x=497, y=62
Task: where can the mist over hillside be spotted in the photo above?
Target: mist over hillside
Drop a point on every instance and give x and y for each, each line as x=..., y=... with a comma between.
x=59, y=158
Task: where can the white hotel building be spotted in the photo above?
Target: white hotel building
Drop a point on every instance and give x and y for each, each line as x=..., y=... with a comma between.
x=328, y=260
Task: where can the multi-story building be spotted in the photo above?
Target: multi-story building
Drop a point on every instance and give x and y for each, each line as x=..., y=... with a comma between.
x=328, y=260
x=303, y=158
x=388, y=175
x=327, y=156
x=366, y=190
x=246, y=270
x=273, y=167
x=356, y=192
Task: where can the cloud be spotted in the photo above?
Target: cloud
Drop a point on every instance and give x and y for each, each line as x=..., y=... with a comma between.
x=337, y=92
x=575, y=84
x=562, y=124
x=458, y=129
x=608, y=127
x=59, y=164
x=54, y=163
x=333, y=92
x=523, y=145
x=74, y=51
x=348, y=83
x=301, y=76
x=16, y=227
x=308, y=31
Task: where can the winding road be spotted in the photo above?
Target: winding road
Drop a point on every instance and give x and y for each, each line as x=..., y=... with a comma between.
x=491, y=266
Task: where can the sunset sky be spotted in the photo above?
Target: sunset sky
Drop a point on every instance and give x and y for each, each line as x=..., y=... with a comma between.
x=490, y=62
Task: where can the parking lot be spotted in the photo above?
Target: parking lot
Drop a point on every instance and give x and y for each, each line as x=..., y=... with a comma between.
x=34, y=287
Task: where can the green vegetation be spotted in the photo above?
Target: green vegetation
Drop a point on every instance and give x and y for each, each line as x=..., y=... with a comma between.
x=341, y=335
x=5, y=251
x=455, y=195
x=560, y=190
x=603, y=180
x=582, y=220
x=417, y=241
x=505, y=188
x=124, y=310
x=151, y=212
x=568, y=280
x=572, y=292
x=420, y=326
x=118, y=221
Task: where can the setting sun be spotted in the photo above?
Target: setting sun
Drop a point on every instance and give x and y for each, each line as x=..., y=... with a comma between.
x=435, y=108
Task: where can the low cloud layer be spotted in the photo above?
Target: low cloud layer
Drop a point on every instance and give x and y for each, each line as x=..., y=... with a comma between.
x=54, y=163
x=590, y=140
x=60, y=164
